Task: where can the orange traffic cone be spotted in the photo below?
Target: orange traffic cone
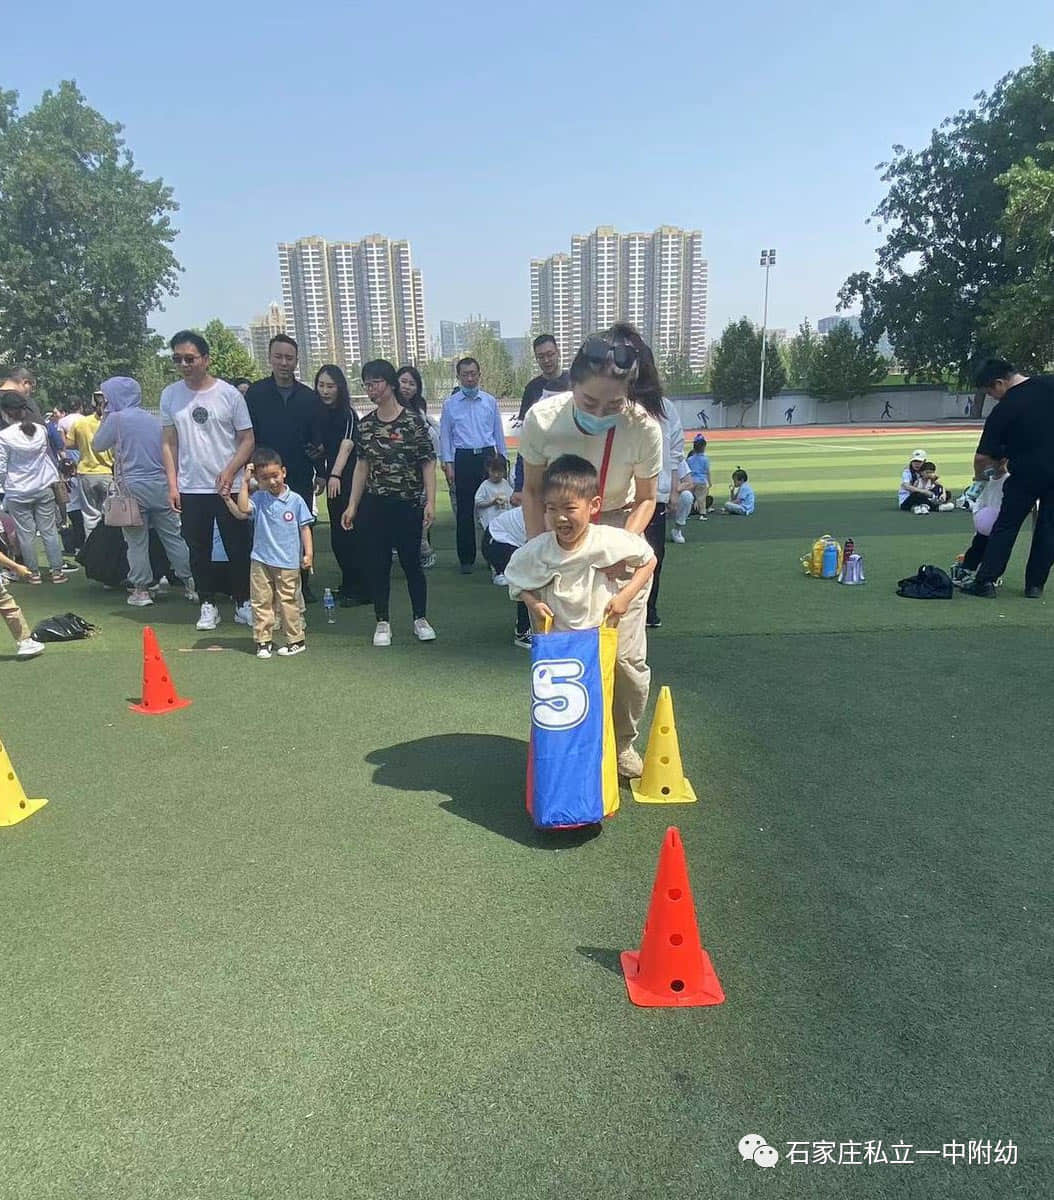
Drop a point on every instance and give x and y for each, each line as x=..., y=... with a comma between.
x=663, y=780
x=159, y=692
x=15, y=805
x=671, y=969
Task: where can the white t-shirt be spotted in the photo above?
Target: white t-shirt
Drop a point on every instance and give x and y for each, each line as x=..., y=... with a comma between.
x=572, y=582
x=207, y=423
x=908, y=476
x=509, y=528
x=487, y=492
x=26, y=466
x=549, y=430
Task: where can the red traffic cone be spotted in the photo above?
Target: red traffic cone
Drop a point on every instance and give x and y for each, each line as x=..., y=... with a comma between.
x=671, y=969
x=159, y=692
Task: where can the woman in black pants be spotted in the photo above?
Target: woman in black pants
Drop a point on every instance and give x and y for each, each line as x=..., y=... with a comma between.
x=334, y=437
x=396, y=465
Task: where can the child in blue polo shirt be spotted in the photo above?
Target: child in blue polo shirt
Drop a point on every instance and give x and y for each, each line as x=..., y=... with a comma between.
x=740, y=495
x=282, y=547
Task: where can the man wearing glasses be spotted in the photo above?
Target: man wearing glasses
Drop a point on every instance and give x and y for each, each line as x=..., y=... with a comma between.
x=470, y=432
x=207, y=437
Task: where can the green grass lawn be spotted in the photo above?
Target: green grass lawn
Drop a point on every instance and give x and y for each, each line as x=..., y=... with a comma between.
x=300, y=940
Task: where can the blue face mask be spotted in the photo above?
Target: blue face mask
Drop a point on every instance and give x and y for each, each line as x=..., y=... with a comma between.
x=470, y=393
x=591, y=424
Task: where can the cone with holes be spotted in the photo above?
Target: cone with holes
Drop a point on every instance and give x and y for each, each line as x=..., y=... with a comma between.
x=15, y=805
x=671, y=969
x=663, y=780
x=159, y=692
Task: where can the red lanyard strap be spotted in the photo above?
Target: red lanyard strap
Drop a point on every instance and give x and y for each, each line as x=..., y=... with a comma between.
x=604, y=469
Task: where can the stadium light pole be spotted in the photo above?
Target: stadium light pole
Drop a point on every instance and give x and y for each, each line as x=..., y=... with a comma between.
x=768, y=260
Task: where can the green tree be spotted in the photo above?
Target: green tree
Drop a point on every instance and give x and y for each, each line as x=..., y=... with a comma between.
x=943, y=254
x=844, y=366
x=495, y=364
x=678, y=376
x=154, y=372
x=735, y=367
x=1020, y=317
x=228, y=357
x=85, y=243
x=800, y=351
x=437, y=375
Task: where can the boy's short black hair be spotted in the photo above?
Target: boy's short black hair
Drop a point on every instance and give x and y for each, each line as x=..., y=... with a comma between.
x=572, y=474
x=496, y=460
x=264, y=456
x=928, y=466
x=739, y=475
x=991, y=370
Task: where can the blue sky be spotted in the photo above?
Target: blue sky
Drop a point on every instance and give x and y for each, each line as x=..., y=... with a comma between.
x=488, y=133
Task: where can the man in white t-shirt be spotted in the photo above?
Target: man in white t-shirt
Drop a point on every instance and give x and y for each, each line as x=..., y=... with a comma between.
x=207, y=439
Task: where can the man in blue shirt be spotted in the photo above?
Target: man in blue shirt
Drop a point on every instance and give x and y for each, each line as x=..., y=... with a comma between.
x=470, y=432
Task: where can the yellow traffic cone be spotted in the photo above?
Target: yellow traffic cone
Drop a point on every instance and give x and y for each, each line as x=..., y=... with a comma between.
x=14, y=805
x=663, y=781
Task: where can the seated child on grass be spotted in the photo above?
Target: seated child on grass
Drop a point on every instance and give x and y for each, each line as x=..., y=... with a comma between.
x=741, y=498
x=565, y=574
x=938, y=492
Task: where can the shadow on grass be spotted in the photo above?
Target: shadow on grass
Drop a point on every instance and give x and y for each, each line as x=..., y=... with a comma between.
x=464, y=766
x=602, y=956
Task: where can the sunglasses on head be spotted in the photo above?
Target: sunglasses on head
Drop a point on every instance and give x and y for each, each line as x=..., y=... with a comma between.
x=598, y=350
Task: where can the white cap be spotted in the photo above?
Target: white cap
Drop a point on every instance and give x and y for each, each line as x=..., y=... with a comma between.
x=918, y=454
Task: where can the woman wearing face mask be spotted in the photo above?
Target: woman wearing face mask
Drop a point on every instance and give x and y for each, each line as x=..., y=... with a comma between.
x=411, y=393
x=335, y=436
x=611, y=417
x=27, y=473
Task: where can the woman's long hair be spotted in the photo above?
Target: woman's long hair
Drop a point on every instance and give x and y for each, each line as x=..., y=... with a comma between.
x=644, y=386
x=343, y=403
x=417, y=401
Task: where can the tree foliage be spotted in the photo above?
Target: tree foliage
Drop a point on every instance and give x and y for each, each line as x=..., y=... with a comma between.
x=844, y=366
x=228, y=357
x=678, y=376
x=944, y=255
x=85, y=243
x=735, y=370
x=497, y=373
x=800, y=352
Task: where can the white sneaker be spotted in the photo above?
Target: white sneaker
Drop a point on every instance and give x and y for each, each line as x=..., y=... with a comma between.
x=291, y=648
x=920, y=510
x=500, y=581
x=243, y=614
x=423, y=631
x=263, y=650
x=630, y=764
x=140, y=598
x=382, y=635
x=677, y=536
x=210, y=616
x=946, y=507
x=29, y=648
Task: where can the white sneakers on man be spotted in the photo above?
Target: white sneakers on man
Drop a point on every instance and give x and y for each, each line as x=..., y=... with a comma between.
x=677, y=535
x=423, y=631
x=29, y=648
x=210, y=616
x=382, y=635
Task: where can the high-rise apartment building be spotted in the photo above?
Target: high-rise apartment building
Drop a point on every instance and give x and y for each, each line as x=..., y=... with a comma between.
x=261, y=330
x=455, y=337
x=658, y=281
x=346, y=302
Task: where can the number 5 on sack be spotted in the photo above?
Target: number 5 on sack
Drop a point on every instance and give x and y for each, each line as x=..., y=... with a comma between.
x=560, y=701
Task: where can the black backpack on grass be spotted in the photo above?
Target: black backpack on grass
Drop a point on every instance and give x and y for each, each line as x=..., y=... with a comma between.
x=930, y=583
x=67, y=627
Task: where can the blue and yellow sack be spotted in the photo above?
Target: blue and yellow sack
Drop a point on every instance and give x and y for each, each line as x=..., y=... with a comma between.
x=572, y=771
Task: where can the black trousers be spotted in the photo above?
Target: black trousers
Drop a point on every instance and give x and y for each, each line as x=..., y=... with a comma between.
x=655, y=536
x=199, y=511
x=1020, y=494
x=347, y=549
x=469, y=473
x=389, y=523
x=304, y=486
x=497, y=555
x=975, y=552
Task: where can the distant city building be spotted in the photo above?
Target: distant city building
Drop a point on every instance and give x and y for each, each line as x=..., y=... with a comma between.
x=261, y=330
x=241, y=332
x=825, y=324
x=518, y=348
x=346, y=302
x=455, y=337
x=658, y=281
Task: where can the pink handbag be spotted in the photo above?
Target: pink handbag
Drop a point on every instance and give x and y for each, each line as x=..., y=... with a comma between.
x=120, y=508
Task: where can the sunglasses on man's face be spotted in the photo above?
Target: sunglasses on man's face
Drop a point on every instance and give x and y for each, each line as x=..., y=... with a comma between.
x=598, y=350
x=187, y=360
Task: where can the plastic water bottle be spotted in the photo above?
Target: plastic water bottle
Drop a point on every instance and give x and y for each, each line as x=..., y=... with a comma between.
x=829, y=566
x=330, y=605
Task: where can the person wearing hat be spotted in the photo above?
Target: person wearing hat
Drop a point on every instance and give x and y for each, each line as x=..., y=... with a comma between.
x=914, y=496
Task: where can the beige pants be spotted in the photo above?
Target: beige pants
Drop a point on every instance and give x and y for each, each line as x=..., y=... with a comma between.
x=12, y=614
x=271, y=590
x=632, y=673
x=701, y=491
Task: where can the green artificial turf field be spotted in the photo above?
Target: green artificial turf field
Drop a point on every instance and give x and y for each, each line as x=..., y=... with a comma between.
x=300, y=940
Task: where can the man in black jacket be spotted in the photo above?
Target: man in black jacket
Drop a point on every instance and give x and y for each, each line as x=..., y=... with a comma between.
x=281, y=409
x=1020, y=428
